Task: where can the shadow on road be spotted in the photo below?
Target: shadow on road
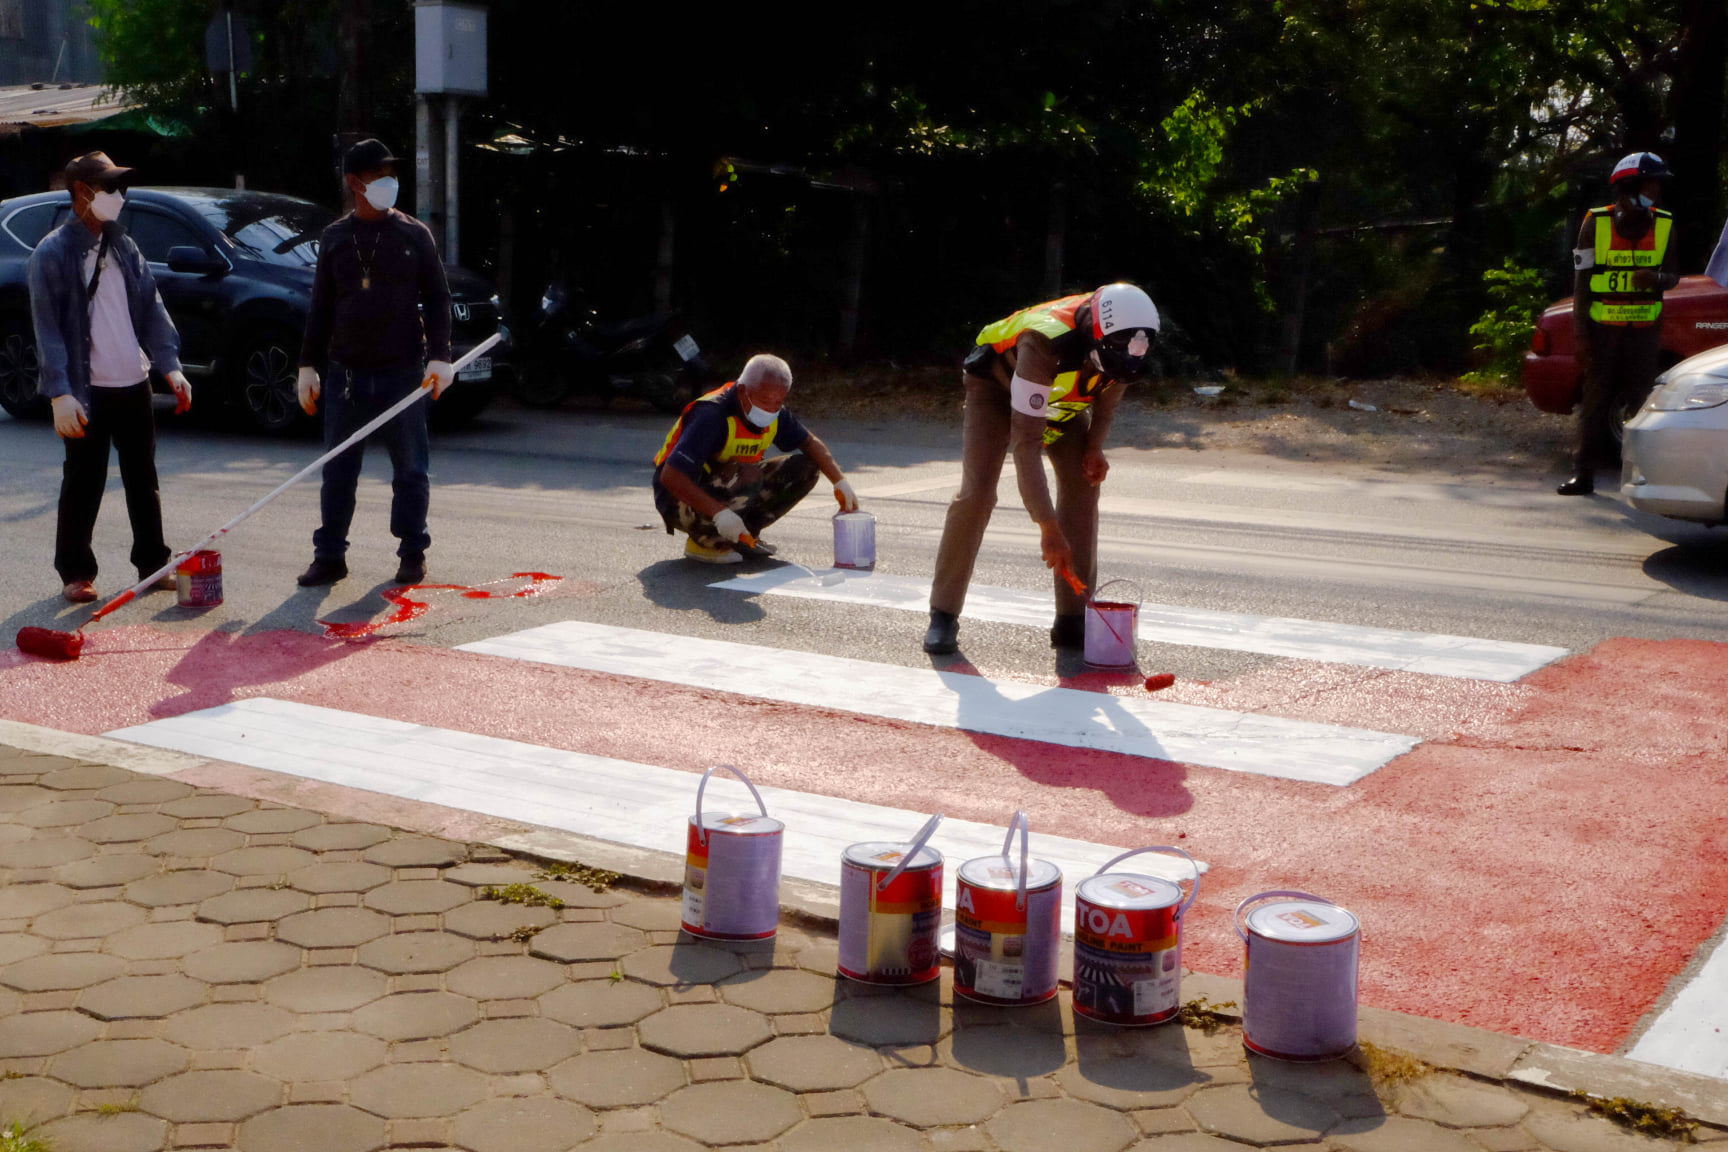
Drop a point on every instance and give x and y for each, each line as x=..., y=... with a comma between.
x=682, y=586
x=1696, y=568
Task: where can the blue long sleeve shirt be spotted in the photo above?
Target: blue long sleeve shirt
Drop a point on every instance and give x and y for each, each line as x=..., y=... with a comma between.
x=60, y=309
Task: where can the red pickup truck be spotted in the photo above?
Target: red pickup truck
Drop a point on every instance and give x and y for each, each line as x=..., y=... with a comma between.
x=1694, y=318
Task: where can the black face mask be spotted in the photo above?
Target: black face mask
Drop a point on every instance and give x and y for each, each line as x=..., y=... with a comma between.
x=1117, y=361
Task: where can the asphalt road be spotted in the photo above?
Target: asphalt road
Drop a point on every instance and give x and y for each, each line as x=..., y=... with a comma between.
x=567, y=493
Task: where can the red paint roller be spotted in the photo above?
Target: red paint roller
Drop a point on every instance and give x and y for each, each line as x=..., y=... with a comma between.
x=51, y=644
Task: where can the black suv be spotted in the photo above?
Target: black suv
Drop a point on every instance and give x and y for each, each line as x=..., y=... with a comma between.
x=235, y=272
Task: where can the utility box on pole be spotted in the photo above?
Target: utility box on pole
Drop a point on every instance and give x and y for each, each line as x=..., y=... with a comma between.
x=449, y=64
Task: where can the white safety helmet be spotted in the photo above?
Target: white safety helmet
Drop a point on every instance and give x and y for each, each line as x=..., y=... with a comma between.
x=1639, y=166
x=1124, y=324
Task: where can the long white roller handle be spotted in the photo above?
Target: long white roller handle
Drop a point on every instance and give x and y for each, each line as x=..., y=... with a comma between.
x=366, y=430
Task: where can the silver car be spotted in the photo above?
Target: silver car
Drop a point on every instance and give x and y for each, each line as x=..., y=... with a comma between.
x=1675, y=455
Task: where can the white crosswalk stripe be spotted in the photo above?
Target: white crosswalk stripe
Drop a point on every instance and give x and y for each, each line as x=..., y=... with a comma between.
x=1211, y=737
x=639, y=805
x=1433, y=655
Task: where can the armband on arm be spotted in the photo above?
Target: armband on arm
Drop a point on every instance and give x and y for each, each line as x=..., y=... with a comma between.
x=1026, y=397
x=1583, y=259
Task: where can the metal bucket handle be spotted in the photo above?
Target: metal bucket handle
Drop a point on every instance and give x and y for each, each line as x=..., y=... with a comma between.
x=1025, y=827
x=1092, y=601
x=1192, y=895
x=918, y=843
x=701, y=830
x=1268, y=896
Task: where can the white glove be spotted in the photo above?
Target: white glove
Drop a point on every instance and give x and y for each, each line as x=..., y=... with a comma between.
x=729, y=524
x=442, y=374
x=69, y=417
x=307, y=388
x=843, y=493
x=182, y=392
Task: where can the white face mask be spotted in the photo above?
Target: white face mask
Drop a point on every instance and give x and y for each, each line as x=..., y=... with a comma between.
x=760, y=418
x=105, y=206
x=1644, y=202
x=381, y=193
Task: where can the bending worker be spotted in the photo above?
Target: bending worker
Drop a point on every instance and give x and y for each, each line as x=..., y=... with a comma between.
x=710, y=479
x=1048, y=378
x=1623, y=264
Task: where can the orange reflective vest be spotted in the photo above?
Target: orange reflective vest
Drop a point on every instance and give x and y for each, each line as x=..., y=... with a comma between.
x=745, y=443
x=1071, y=393
x=1615, y=301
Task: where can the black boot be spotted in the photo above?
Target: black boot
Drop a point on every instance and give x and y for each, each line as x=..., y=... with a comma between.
x=943, y=638
x=1580, y=484
x=1068, y=632
x=322, y=572
x=411, y=569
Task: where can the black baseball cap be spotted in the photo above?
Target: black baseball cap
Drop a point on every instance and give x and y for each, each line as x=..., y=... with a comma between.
x=96, y=170
x=366, y=156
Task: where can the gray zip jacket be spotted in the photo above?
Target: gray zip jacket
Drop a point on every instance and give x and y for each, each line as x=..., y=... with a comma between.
x=60, y=308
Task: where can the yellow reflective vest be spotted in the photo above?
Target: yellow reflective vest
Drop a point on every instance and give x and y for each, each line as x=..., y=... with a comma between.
x=1071, y=393
x=745, y=443
x=1618, y=259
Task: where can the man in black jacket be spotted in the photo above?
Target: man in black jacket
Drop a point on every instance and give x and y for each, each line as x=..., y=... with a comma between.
x=378, y=273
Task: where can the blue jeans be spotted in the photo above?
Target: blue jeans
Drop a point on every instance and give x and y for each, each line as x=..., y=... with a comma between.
x=350, y=399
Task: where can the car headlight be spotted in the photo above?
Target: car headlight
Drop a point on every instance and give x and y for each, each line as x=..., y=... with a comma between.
x=1689, y=394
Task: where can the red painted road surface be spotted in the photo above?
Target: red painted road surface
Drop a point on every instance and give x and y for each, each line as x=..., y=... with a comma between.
x=1543, y=865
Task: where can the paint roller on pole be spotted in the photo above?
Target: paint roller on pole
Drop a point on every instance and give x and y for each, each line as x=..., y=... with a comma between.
x=56, y=645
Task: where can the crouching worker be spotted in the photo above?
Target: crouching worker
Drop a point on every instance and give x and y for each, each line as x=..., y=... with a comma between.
x=710, y=480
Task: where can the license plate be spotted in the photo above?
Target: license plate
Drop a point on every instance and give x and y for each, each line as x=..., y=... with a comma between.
x=481, y=369
x=686, y=348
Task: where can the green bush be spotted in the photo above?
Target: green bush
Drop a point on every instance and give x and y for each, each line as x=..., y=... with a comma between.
x=1517, y=296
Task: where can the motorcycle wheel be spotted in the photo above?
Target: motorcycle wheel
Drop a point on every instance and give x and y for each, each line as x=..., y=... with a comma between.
x=541, y=385
x=667, y=392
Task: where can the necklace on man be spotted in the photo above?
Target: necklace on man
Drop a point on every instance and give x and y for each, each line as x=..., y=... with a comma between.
x=366, y=264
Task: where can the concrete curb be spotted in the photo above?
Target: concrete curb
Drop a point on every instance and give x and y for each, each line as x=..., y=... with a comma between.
x=1450, y=1047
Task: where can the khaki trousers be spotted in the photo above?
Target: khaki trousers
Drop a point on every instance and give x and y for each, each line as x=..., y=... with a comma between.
x=984, y=443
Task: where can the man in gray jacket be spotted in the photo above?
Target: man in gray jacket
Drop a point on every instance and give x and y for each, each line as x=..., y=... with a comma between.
x=100, y=328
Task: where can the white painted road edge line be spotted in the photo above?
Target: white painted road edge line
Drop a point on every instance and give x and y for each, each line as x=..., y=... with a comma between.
x=1691, y=1034
x=1427, y=653
x=1182, y=733
x=616, y=800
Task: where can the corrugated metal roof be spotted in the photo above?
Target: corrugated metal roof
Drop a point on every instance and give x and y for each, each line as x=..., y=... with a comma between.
x=54, y=106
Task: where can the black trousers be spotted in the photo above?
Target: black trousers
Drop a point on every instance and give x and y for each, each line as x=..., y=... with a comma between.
x=121, y=417
x=1623, y=370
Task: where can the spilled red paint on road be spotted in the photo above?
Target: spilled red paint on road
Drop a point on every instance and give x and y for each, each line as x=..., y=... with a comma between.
x=1544, y=865
x=407, y=609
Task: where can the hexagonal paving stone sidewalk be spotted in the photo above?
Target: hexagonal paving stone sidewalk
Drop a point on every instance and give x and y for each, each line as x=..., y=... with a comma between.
x=186, y=969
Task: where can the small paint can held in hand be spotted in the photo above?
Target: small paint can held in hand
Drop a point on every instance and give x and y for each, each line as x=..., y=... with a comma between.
x=891, y=910
x=198, y=579
x=1007, y=926
x=1111, y=629
x=1128, y=944
x=732, y=870
x=854, y=540
x=1299, y=988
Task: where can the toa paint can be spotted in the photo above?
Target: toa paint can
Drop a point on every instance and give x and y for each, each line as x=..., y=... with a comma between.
x=732, y=870
x=1128, y=944
x=891, y=910
x=1007, y=926
x=1112, y=626
x=854, y=540
x=198, y=579
x=1299, y=987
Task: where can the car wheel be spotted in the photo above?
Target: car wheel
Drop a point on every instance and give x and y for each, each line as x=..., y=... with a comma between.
x=265, y=374
x=19, y=371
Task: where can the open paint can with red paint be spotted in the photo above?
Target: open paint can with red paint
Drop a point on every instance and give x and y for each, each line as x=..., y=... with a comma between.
x=1112, y=627
x=198, y=579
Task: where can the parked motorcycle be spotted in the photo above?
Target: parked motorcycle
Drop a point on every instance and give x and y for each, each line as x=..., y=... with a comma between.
x=573, y=352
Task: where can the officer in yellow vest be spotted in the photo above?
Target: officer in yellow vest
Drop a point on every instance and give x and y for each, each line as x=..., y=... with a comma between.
x=1623, y=264
x=1046, y=379
x=711, y=480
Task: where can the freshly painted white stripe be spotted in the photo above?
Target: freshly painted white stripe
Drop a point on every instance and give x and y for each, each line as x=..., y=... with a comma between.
x=1691, y=1034
x=1434, y=655
x=626, y=803
x=1239, y=742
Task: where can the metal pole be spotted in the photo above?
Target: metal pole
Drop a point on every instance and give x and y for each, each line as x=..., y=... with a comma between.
x=233, y=88
x=452, y=150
